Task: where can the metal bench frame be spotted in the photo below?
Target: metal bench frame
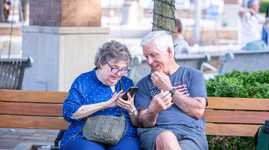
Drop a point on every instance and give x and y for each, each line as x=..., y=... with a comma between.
x=12, y=72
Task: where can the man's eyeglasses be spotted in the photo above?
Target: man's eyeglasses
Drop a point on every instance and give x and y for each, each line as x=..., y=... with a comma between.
x=124, y=70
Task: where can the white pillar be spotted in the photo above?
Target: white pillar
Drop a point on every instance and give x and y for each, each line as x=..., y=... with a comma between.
x=60, y=54
x=197, y=18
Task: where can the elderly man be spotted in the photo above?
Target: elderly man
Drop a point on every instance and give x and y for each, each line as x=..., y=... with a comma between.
x=171, y=100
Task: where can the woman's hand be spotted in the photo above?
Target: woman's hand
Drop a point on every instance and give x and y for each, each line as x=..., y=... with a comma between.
x=126, y=104
x=112, y=101
x=129, y=106
x=87, y=110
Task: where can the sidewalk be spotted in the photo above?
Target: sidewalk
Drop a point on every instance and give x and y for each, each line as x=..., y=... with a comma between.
x=10, y=138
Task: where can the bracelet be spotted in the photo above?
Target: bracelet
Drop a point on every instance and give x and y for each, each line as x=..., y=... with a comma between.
x=133, y=111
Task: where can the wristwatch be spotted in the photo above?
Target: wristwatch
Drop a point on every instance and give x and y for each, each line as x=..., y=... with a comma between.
x=134, y=111
x=173, y=91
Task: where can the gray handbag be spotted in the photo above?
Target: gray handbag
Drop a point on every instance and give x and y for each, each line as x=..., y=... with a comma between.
x=104, y=129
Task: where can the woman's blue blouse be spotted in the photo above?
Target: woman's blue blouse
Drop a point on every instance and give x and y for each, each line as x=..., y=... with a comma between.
x=87, y=89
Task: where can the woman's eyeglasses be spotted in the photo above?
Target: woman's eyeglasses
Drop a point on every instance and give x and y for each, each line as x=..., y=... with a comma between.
x=124, y=70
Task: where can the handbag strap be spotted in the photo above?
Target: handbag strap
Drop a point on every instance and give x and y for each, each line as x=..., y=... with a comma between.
x=121, y=88
x=121, y=85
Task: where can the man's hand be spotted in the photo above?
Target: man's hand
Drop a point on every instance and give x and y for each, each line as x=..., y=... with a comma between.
x=160, y=102
x=161, y=80
x=148, y=117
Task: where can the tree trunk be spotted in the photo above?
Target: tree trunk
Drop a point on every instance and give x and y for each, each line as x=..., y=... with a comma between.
x=2, y=11
x=164, y=15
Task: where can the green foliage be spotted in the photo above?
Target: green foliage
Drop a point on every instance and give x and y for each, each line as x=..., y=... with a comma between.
x=228, y=87
x=263, y=5
x=237, y=84
x=230, y=143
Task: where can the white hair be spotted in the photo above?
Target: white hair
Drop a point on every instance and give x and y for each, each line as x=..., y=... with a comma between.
x=249, y=3
x=162, y=40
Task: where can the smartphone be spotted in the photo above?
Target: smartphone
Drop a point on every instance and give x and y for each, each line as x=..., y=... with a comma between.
x=131, y=91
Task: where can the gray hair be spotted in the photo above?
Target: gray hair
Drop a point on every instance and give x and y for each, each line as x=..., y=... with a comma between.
x=162, y=39
x=249, y=3
x=112, y=50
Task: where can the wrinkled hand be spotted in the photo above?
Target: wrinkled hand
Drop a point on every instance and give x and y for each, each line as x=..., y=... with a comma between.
x=161, y=80
x=160, y=102
x=112, y=101
x=126, y=104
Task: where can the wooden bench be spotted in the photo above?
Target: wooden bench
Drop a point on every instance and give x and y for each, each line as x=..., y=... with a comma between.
x=31, y=110
x=229, y=116
x=43, y=110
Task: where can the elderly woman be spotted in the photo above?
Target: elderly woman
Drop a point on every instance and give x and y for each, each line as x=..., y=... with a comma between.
x=98, y=92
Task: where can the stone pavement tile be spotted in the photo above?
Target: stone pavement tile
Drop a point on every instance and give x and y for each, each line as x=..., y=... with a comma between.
x=10, y=138
x=51, y=138
x=8, y=144
x=4, y=131
x=24, y=132
x=28, y=145
x=47, y=132
x=33, y=138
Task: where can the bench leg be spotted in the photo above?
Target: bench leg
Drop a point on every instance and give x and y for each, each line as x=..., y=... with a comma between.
x=57, y=140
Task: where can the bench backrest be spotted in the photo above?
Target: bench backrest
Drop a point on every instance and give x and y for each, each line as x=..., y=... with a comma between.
x=235, y=116
x=224, y=116
x=29, y=109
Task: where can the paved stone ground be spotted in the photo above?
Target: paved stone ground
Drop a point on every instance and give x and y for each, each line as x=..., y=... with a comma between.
x=10, y=138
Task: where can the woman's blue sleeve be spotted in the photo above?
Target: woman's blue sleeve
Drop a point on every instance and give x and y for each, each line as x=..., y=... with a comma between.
x=73, y=102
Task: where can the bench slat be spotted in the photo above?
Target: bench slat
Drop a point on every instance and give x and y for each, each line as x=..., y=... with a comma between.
x=32, y=96
x=35, y=109
x=238, y=103
x=231, y=129
x=247, y=117
x=32, y=122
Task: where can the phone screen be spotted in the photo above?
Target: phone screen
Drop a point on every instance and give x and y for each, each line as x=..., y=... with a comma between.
x=131, y=91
